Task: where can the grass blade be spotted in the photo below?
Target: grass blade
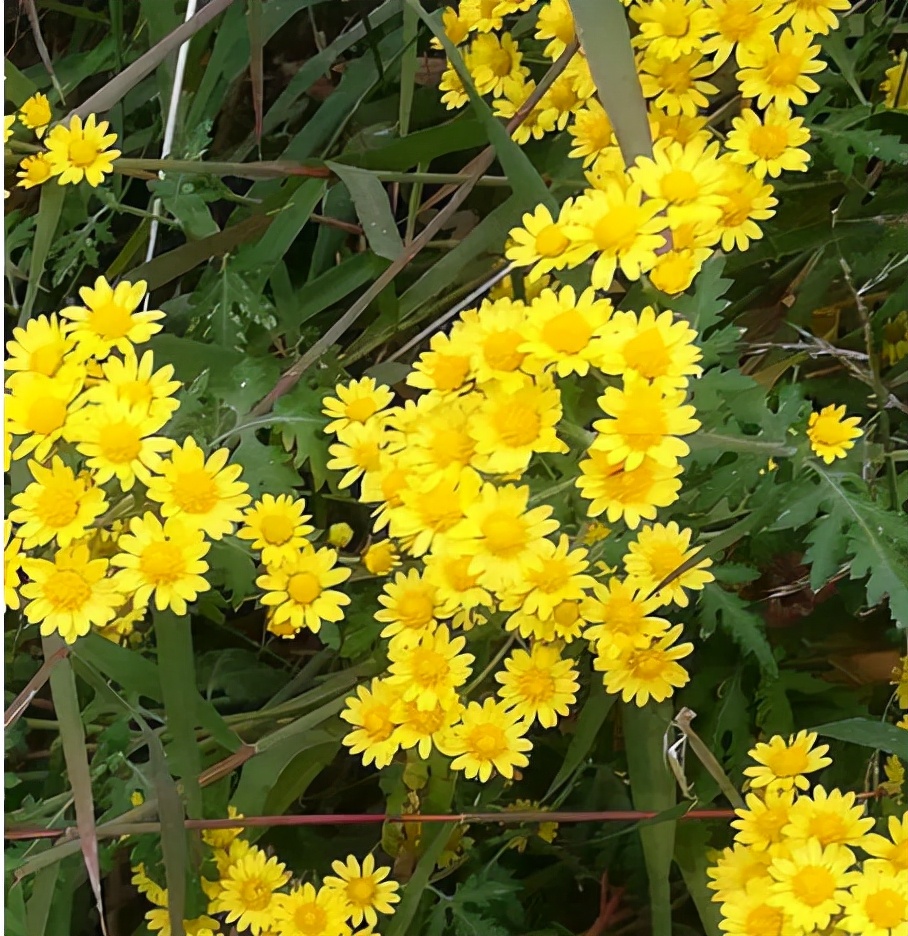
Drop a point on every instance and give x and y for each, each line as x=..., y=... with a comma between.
x=372, y=208
x=407, y=71
x=49, y=209
x=256, y=63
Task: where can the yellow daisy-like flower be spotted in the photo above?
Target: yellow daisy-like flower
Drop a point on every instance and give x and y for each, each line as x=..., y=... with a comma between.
x=455, y=94
x=306, y=911
x=895, y=85
x=566, y=623
x=830, y=818
x=34, y=170
x=364, y=889
x=502, y=534
x=780, y=71
x=747, y=911
x=677, y=86
x=553, y=574
x=56, y=505
x=459, y=591
x=623, y=618
x=42, y=408
x=877, y=904
x=277, y=526
x=372, y=713
x=441, y=435
x=494, y=333
x=760, y=825
x=381, y=558
x=455, y=25
x=300, y=589
x=657, y=347
x=135, y=381
x=108, y=320
x=12, y=563
x=429, y=672
x=495, y=63
x=80, y=151
x=163, y=560
x=782, y=765
x=812, y=884
x=745, y=200
x=670, y=28
x=737, y=25
x=891, y=851
x=482, y=15
x=409, y=608
x=538, y=685
x=40, y=346
x=248, y=892
x=119, y=441
x=831, y=435
x=592, y=132
x=358, y=450
x=489, y=738
x=675, y=269
x=657, y=552
x=542, y=119
x=221, y=838
x=424, y=729
x=153, y=891
x=444, y=368
x=617, y=225
x=555, y=22
x=204, y=493
x=70, y=593
x=357, y=402
x=643, y=421
x=541, y=242
x=813, y=16
x=644, y=673
x=737, y=870
x=769, y=145
x=36, y=114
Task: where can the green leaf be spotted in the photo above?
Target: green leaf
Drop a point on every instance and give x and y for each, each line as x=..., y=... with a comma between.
x=692, y=846
x=234, y=569
x=372, y=208
x=704, y=306
x=50, y=208
x=721, y=608
x=265, y=467
x=845, y=146
x=880, y=736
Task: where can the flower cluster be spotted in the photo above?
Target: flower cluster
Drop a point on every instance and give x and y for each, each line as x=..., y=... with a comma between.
x=806, y=860
x=81, y=150
x=254, y=892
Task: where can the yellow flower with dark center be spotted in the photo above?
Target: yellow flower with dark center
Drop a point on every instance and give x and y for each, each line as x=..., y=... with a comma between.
x=364, y=888
x=430, y=671
x=670, y=28
x=657, y=552
x=489, y=738
x=108, y=319
x=623, y=617
x=36, y=114
x=831, y=434
x=760, y=825
x=56, y=505
x=277, y=526
x=371, y=712
x=33, y=170
x=40, y=346
x=357, y=402
x=248, y=894
x=830, y=818
x=162, y=560
x=300, y=590
x=541, y=242
x=70, y=593
x=134, y=381
x=538, y=685
x=780, y=71
x=783, y=765
x=42, y=409
x=644, y=673
x=770, y=145
x=80, y=151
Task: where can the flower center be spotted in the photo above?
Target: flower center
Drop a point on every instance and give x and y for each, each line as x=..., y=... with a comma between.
x=679, y=186
x=429, y=667
x=457, y=573
x=813, y=885
x=38, y=170
x=110, y=320
x=310, y=918
x=675, y=23
x=440, y=509
x=415, y=609
x=501, y=63
x=277, y=529
x=553, y=576
x=648, y=665
x=536, y=685
x=377, y=722
x=451, y=445
x=617, y=230
x=195, y=491
x=488, y=741
x=769, y=142
x=82, y=153
x=46, y=415
x=450, y=371
x=765, y=920
x=505, y=534
x=304, y=587
x=58, y=506
x=66, y=590
x=135, y=391
x=646, y=353
x=120, y=442
x=162, y=563
x=886, y=909
x=517, y=425
x=736, y=21
x=736, y=208
x=663, y=559
x=500, y=350
x=784, y=70
x=566, y=613
x=828, y=828
x=366, y=455
x=788, y=762
x=567, y=332
x=361, y=891
x=360, y=410
x=255, y=895
x=551, y=241
x=46, y=359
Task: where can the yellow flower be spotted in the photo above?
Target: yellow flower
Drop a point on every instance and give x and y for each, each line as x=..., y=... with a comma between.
x=56, y=505
x=782, y=765
x=122, y=627
x=42, y=409
x=488, y=738
x=748, y=913
x=643, y=421
x=153, y=892
x=70, y=593
x=780, y=71
x=444, y=368
x=80, y=151
x=895, y=85
x=736, y=871
x=542, y=119
x=108, y=320
x=760, y=825
x=617, y=225
x=33, y=170
x=900, y=681
x=891, y=851
x=814, y=16
x=204, y=493
x=455, y=94
x=553, y=574
x=830, y=818
x=555, y=22
x=158, y=921
x=877, y=904
x=658, y=551
x=539, y=685
x=12, y=563
x=455, y=25
x=40, y=346
x=894, y=772
x=738, y=24
x=812, y=884
x=459, y=591
x=36, y=114
x=164, y=560
x=221, y=838
x=770, y=145
x=430, y=671
x=677, y=87
x=670, y=28
x=423, y=729
x=357, y=402
x=307, y=912
x=675, y=269
x=357, y=450
x=8, y=122
x=381, y=558
x=623, y=617
x=135, y=381
x=541, y=242
x=679, y=128
x=371, y=712
x=495, y=63
x=277, y=526
x=300, y=589
x=364, y=889
x=482, y=15
x=745, y=200
x=409, y=608
x=248, y=896
x=592, y=132
x=831, y=435
x=644, y=673
x=118, y=441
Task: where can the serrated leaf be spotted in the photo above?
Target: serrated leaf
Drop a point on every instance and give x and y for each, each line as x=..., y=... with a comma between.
x=845, y=146
x=720, y=608
x=703, y=307
x=304, y=435
x=265, y=467
x=233, y=569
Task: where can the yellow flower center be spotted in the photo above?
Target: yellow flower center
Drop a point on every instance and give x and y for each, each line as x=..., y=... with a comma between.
x=457, y=573
x=451, y=445
x=886, y=909
x=304, y=587
x=536, y=685
x=360, y=410
x=82, y=153
x=366, y=455
x=47, y=358
x=787, y=761
x=736, y=208
x=135, y=391
x=120, y=442
x=663, y=558
x=488, y=741
x=58, y=506
x=195, y=491
x=769, y=142
x=415, y=609
x=676, y=77
x=449, y=371
x=828, y=827
x=765, y=921
x=439, y=509
x=673, y=273
x=424, y=723
x=616, y=230
x=679, y=186
x=429, y=667
x=784, y=70
x=736, y=21
x=813, y=885
x=562, y=96
x=646, y=353
x=46, y=415
x=66, y=590
x=162, y=563
x=770, y=822
x=505, y=535
x=276, y=529
x=376, y=722
x=500, y=350
x=567, y=332
x=648, y=665
x=630, y=486
x=37, y=170
x=110, y=320
x=553, y=576
x=361, y=891
x=566, y=613
x=500, y=63
x=517, y=424
x=255, y=895
x=310, y=918
x=675, y=22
